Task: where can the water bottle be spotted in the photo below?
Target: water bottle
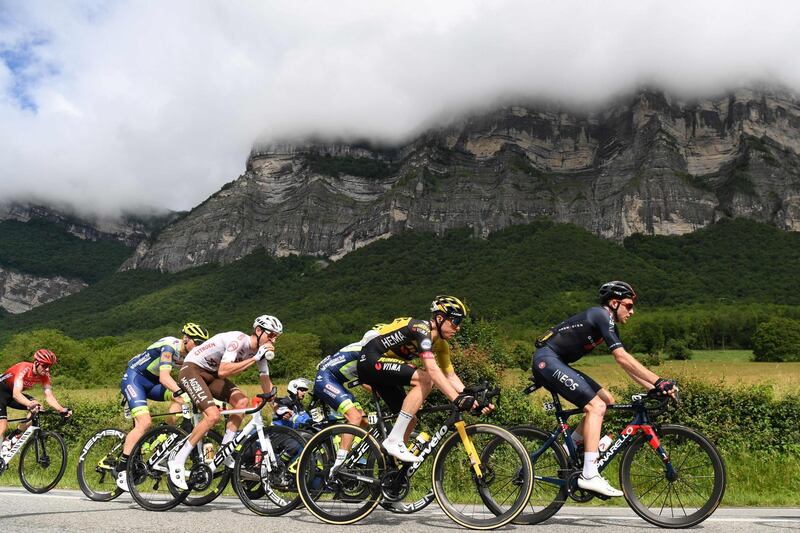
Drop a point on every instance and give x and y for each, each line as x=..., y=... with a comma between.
x=208, y=452
x=605, y=442
x=419, y=443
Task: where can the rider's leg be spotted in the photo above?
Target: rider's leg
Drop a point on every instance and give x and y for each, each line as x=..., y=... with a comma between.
x=578, y=434
x=421, y=386
x=141, y=421
x=590, y=478
x=355, y=417
x=237, y=400
x=3, y=427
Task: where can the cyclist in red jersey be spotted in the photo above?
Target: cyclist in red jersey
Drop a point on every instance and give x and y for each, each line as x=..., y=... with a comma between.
x=21, y=377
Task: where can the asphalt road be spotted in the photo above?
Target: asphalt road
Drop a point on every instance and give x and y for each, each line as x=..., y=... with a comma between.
x=68, y=510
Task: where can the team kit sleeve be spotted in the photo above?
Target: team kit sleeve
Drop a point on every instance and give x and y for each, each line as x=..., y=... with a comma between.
x=608, y=327
x=233, y=348
x=167, y=355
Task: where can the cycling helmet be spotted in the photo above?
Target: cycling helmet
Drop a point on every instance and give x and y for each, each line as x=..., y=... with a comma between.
x=45, y=357
x=195, y=331
x=269, y=323
x=449, y=306
x=299, y=383
x=616, y=290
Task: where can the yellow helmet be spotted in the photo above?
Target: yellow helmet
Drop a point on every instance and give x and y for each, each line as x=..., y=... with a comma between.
x=449, y=306
x=195, y=332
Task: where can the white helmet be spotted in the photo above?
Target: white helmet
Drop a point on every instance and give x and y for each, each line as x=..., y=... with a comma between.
x=299, y=383
x=269, y=323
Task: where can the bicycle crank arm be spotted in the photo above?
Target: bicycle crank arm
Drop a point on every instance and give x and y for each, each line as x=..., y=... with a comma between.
x=363, y=479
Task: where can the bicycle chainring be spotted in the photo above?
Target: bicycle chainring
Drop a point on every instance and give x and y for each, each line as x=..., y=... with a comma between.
x=575, y=492
x=200, y=477
x=395, y=485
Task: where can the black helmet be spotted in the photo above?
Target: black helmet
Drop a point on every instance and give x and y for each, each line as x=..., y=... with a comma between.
x=616, y=290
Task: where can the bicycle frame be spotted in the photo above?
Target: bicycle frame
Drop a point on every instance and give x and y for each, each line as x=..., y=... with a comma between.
x=639, y=424
x=408, y=469
x=33, y=428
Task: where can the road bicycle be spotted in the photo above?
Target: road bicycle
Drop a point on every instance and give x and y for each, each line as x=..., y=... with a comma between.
x=42, y=454
x=259, y=475
x=100, y=455
x=671, y=475
x=476, y=489
x=323, y=416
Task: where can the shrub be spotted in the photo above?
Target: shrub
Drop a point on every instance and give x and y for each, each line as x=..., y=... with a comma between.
x=649, y=359
x=777, y=339
x=678, y=350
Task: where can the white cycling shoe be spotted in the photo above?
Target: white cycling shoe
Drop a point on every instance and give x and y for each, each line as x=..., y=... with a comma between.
x=398, y=450
x=599, y=485
x=122, y=481
x=177, y=474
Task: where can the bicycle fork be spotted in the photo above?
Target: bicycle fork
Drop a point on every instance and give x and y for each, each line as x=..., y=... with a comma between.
x=474, y=459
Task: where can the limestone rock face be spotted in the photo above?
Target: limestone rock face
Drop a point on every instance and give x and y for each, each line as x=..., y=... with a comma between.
x=648, y=164
x=20, y=292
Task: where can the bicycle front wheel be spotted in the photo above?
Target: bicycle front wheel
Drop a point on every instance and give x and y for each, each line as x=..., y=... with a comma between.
x=549, y=464
x=351, y=492
x=148, y=473
x=678, y=494
x=42, y=461
x=488, y=495
x=97, y=465
x=268, y=489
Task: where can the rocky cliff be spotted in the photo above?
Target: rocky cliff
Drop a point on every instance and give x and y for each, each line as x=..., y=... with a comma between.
x=649, y=163
x=20, y=292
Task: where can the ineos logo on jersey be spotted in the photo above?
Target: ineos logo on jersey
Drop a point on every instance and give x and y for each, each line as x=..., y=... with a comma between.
x=570, y=383
x=542, y=364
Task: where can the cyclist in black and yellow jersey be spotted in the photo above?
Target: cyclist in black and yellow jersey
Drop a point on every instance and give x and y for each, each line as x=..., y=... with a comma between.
x=383, y=364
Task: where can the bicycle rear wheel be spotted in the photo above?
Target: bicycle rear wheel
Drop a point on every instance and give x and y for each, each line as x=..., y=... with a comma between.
x=219, y=479
x=678, y=500
x=42, y=461
x=97, y=465
x=148, y=474
x=274, y=492
x=340, y=498
x=499, y=494
x=549, y=488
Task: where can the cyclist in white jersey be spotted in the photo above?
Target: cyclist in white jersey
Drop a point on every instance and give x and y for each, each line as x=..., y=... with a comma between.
x=204, y=374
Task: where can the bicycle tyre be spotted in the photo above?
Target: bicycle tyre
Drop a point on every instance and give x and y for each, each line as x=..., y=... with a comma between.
x=46, y=445
x=459, y=472
x=680, y=443
x=257, y=493
x=313, y=482
x=546, y=498
x=141, y=475
x=98, y=481
x=221, y=476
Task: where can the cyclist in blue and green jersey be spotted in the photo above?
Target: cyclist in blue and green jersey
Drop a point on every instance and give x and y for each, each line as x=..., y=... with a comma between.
x=148, y=377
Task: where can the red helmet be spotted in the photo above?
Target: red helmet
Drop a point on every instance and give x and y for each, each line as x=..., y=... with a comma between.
x=45, y=357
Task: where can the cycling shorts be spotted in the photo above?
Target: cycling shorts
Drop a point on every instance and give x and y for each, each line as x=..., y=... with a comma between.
x=137, y=389
x=557, y=376
x=333, y=393
x=7, y=400
x=204, y=386
x=388, y=376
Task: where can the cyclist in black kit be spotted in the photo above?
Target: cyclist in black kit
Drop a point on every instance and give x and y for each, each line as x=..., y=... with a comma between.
x=572, y=339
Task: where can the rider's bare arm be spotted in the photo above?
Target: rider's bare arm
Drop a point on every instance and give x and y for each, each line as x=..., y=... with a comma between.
x=438, y=377
x=636, y=370
x=227, y=369
x=51, y=400
x=21, y=398
x=166, y=379
x=455, y=381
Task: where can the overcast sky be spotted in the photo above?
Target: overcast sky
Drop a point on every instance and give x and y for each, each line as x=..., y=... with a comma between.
x=124, y=105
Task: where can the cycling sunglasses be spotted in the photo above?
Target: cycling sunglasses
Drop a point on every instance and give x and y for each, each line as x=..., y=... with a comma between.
x=456, y=320
x=627, y=305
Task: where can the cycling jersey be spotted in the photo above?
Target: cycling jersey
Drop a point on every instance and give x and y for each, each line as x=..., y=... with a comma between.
x=157, y=357
x=333, y=372
x=580, y=334
x=229, y=347
x=383, y=363
x=22, y=374
x=406, y=338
